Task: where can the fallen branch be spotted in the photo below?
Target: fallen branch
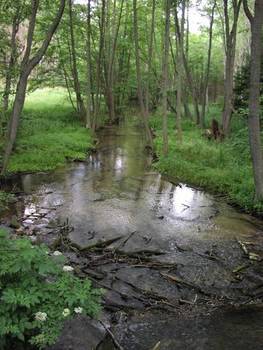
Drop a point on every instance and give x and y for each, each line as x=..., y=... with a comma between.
x=115, y=341
x=156, y=346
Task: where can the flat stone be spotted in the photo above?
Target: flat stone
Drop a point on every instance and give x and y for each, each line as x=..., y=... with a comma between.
x=81, y=333
x=28, y=222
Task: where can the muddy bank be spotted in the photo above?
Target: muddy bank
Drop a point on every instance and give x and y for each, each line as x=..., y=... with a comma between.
x=180, y=268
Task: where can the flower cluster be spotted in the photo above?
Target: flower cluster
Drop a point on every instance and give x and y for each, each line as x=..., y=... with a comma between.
x=67, y=268
x=78, y=310
x=41, y=316
x=57, y=253
x=66, y=312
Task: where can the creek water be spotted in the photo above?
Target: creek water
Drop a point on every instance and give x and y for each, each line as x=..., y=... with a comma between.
x=191, y=239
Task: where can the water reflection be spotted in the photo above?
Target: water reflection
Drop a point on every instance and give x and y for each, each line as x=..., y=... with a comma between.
x=116, y=192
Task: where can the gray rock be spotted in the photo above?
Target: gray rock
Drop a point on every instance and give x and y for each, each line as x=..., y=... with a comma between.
x=81, y=333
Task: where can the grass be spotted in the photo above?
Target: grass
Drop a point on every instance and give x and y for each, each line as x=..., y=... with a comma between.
x=49, y=135
x=219, y=167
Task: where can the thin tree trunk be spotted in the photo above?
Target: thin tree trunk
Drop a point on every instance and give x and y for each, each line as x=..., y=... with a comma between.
x=230, y=42
x=165, y=74
x=150, y=57
x=65, y=74
x=254, y=96
x=80, y=104
x=186, y=67
x=88, y=49
x=180, y=45
x=99, y=64
x=139, y=77
x=27, y=66
x=12, y=60
x=109, y=73
x=207, y=73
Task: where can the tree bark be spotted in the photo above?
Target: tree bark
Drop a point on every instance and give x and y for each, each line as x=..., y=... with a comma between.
x=12, y=60
x=89, y=70
x=110, y=60
x=99, y=65
x=230, y=42
x=180, y=44
x=165, y=74
x=150, y=56
x=27, y=66
x=207, y=73
x=186, y=66
x=139, y=77
x=254, y=97
x=80, y=103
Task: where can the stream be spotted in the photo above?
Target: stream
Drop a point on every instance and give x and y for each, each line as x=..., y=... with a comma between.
x=181, y=269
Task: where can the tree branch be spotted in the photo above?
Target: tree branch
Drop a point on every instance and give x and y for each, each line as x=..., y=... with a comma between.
x=247, y=11
x=42, y=50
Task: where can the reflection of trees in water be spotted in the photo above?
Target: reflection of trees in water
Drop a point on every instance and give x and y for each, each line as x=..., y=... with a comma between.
x=120, y=159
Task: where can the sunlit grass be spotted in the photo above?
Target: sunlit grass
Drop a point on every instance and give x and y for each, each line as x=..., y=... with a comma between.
x=50, y=133
x=219, y=167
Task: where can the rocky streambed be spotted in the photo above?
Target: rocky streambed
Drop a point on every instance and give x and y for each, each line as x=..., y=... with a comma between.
x=180, y=268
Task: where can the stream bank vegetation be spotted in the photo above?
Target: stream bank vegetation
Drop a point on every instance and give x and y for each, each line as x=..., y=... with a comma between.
x=38, y=293
x=220, y=167
x=108, y=60
x=50, y=134
x=67, y=67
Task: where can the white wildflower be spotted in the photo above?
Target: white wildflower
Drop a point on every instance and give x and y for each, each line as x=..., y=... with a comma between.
x=66, y=312
x=67, y=268
x=57, y=253
x=78, y=310
x=41, y=316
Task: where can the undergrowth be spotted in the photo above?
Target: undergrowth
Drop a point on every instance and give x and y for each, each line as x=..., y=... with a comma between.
x=219, y=167
x=38, y=293
x=49, y=134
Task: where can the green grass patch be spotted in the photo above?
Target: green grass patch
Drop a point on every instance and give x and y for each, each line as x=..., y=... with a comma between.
x=219, y=167
x=49, y=134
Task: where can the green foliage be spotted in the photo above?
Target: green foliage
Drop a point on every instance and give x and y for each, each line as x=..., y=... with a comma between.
x=37, y=295
x=50, y=133
x=220, y=167
x=5, y=198
x=241, y=88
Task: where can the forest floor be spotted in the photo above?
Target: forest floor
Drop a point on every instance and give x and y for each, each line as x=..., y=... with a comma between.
x=219, y=167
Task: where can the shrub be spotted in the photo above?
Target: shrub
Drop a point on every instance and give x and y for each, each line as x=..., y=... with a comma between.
x=5, y=199
x=37, y=293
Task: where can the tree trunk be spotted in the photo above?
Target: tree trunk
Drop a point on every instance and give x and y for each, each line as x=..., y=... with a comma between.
x=150, y=56
x=165, y=74
x=27, y=66
x=254, y=99
x=180, y=45
x=109, y=71
x=186, y=66
x=88, y=49
x=230, y=44
x=99, y=64
x=207, y=73
x=12, y=60
x=139, y=77
x=228, y=89
x=80, y=104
